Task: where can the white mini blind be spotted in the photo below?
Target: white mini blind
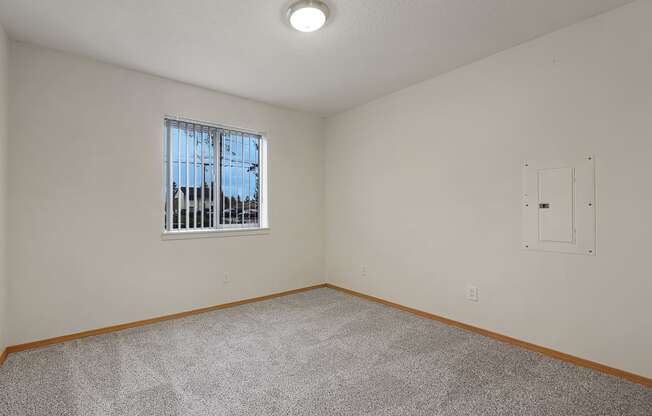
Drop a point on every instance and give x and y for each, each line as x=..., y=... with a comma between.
x=213, y=177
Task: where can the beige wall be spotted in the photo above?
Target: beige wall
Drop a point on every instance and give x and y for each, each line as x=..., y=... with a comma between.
x=424, y=188
x=4, y=284
x=85, y=208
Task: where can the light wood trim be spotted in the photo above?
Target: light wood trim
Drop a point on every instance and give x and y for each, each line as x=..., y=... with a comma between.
x=114, y=328
x=635, y=378
x=3, y=356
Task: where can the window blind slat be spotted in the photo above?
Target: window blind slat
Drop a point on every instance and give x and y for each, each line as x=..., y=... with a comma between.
x=245, y=155
x=231, y=177
x=187, y=191
x=222, y=177
x=203, y=175
x=178, y=178
x=216, y=172
x=211, y=179
x=244, y=138
x=194, y=179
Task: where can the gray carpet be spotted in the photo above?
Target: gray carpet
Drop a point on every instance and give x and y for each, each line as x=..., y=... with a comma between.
x=315, y=353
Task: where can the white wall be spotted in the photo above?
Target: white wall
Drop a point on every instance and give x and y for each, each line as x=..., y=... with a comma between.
x=4, y=309
x=85, y=209
x=424, y=188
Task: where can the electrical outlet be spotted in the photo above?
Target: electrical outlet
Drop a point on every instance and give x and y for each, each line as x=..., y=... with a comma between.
x=364, y=271
x=226, y=277
x=472, y=293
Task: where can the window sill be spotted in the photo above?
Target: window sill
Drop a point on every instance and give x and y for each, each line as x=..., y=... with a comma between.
x=238, y=232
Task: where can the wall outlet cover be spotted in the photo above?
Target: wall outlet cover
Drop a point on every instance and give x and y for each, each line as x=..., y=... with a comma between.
x=472, y=293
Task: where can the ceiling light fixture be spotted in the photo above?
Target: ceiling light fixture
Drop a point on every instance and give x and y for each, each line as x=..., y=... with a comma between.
x=308, y=15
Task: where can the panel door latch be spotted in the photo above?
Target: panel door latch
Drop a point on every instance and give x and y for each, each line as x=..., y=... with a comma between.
x=544, y=206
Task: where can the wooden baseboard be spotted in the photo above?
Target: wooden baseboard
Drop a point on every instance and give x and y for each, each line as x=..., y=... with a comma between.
x=3, y=356
x=114, y=328
x=635, y=378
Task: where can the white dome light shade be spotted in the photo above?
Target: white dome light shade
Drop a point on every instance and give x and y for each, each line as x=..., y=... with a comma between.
x=308, y=15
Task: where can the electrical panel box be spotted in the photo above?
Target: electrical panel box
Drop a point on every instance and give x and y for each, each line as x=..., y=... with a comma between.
x=559, y=206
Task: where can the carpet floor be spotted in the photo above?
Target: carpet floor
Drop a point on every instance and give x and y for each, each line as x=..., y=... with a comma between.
x=319, y=352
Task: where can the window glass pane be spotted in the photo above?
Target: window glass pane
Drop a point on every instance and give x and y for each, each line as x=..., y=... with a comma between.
x=193, y=166
x=239, y=167
x=175, y=177
x=252, y=181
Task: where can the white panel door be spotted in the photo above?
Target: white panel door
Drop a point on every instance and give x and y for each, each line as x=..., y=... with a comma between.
x=556, y=204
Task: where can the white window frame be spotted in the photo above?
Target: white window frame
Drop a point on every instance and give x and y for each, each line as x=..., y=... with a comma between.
x=221, y=230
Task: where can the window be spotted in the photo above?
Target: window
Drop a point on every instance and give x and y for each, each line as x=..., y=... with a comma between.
x=213, y=178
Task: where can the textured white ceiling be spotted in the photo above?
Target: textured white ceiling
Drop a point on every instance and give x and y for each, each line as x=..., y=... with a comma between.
x=245, y=47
